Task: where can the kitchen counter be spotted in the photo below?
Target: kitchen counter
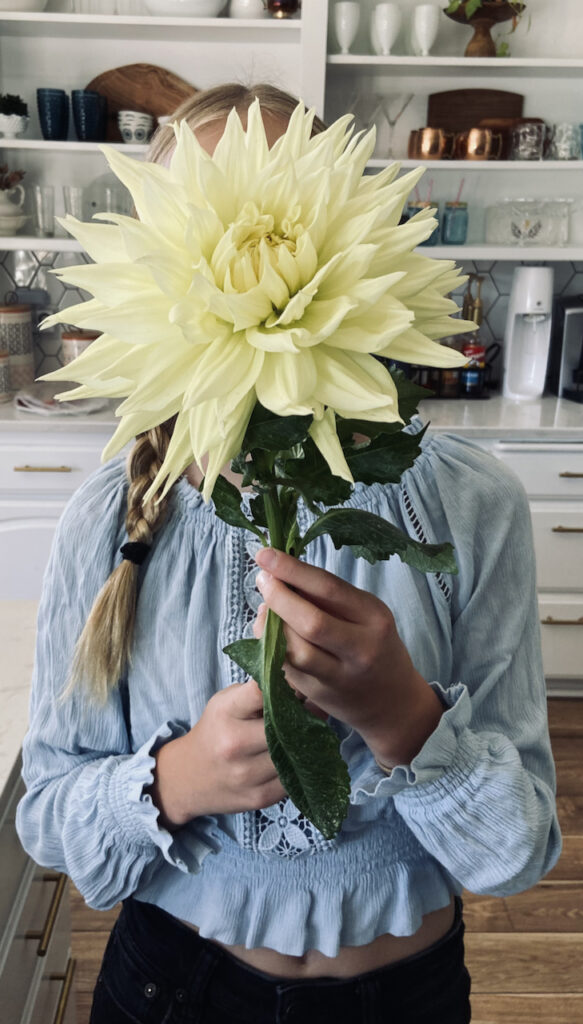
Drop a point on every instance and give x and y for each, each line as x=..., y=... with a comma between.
x=17, y=637
x=542, y=419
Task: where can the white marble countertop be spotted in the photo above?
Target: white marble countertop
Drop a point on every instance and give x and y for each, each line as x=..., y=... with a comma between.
x=17, y=638
x=542, y=419
x=547, y=418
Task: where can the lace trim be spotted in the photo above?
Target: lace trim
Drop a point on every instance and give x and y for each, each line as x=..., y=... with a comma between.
x=420, y=534
x=280, y=830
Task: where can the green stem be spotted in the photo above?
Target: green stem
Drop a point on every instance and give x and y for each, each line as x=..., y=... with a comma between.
x=274, y=519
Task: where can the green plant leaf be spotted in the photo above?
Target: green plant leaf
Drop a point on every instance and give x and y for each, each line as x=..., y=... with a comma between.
x=227, y=501
x=453, y=6
x=274, y=433
x=386, y=458
x=373, y=538
x=311, y=477
x=471, y=7
x=303, y=748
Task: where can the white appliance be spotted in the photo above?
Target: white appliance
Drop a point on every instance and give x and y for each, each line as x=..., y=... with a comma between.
x=528, y=333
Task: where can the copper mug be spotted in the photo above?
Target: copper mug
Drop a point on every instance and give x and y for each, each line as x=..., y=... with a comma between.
x=478, y=144
x=430, y=144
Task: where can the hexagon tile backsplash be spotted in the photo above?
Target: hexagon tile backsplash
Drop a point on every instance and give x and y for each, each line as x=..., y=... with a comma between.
x=27, y=274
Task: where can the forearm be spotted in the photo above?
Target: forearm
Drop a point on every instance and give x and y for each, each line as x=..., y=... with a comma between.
x=396, y=738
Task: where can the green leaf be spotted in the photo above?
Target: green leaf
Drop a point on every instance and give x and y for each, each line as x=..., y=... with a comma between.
x=454, y=6
x=227, y=501
x=311, y=477
x=410, y=394
x=303, y=748
x=274, y=433
x=373, y=538
x=471, y=7
x=257, y=509
x=386, y=458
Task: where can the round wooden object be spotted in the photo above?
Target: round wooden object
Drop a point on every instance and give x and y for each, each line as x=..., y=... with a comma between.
x=144, y=87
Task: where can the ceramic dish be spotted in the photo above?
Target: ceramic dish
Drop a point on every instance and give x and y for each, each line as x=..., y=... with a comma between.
x=185, y=8
x=12, y=223
x=23, y=5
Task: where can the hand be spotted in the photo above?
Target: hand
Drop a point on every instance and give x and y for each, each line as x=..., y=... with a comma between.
x=222, y=765
x=345, y=655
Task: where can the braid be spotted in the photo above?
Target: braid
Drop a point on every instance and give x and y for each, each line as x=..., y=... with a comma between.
x=103, y=650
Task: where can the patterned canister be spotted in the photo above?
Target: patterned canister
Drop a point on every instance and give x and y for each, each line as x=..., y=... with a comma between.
x=5, y=383
x=16, y=338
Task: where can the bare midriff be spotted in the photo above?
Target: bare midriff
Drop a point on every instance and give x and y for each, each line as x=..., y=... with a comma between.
x=351, y=960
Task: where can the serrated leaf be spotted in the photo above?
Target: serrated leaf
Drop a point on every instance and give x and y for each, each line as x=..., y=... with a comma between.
x=274, y=433
x=386, y=458
x=304, y=749
x=373, y=538
x=227, y=501
x=410, y=394
x=311, y=477
x=257, y=509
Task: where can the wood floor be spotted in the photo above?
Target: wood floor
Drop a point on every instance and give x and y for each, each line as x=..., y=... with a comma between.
x=525, y=953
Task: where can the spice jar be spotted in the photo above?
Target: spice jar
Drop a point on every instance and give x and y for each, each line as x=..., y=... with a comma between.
x=5, y=381
x=16, y=339
x=472, y=375
x=74, y=341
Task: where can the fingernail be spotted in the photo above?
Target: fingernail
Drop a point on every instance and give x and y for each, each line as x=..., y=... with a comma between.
x=262, y=579
x=265, y=557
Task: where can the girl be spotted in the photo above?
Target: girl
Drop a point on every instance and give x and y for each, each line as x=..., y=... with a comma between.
x=163, y=796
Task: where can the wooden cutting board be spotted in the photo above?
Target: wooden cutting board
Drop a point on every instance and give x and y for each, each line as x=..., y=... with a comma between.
x=458, y=110
x=144, y=87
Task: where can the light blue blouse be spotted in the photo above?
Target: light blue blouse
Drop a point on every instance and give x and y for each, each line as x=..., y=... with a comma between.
x=475, y=808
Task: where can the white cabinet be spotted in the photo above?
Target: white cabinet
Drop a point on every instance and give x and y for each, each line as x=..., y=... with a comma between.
x=545, y=73
x=552, y=475
x=66, y=51
x=36, y=968
x=39, y=471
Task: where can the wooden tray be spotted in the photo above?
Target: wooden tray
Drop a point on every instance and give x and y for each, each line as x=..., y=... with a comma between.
x=461, y=109
x=144, y=87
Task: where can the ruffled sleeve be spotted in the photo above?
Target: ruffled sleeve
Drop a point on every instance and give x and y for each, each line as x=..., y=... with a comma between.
x=480, y=794
x=86, y=811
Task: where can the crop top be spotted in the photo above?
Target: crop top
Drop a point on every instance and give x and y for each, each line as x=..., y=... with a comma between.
x=474, y=809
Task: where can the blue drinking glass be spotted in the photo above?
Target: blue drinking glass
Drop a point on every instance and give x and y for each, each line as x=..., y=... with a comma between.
x=53, y=112
x=454, y=227
x=88, y=115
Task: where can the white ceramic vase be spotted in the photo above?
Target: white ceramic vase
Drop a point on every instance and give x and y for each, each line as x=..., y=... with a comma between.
x=12, y=125
x=424, y=26
x=385, y=24
x=247, y=9
x=346, y=21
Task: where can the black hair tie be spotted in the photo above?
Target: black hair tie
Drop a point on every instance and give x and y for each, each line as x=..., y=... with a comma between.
x=135, y=551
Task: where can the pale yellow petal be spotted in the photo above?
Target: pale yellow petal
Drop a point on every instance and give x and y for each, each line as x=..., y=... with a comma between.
x=324, y=436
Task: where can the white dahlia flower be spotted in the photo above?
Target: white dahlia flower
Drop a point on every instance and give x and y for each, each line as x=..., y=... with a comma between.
x=256, y=275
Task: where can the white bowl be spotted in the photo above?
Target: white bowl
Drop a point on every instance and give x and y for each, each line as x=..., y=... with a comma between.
x=186, y=8
x=135, y=126
x=11, y=223
x=23, y=5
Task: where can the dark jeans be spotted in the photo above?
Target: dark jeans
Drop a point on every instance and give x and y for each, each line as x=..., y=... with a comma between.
x=158, y=971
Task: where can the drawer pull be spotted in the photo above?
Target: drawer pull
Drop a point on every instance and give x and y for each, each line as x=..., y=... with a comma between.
x=567, y=529
x=44, y=936
x=67, y=979
x=549, y=621
x=571, y=476
x=43, y=469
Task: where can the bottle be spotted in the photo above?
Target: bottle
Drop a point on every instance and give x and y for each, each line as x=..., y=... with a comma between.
x=473, y=373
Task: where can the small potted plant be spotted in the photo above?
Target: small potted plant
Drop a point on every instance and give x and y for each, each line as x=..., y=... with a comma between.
x=482, y=15
x=13, y=116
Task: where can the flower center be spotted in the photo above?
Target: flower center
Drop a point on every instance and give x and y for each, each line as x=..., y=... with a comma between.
x=255, y=246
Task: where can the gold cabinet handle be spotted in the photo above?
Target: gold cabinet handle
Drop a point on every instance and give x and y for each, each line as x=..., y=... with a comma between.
x=571, y=476
x=67, y=979
x=549, y=621
x=567, y=529
x=44, y=936
x=43, y=469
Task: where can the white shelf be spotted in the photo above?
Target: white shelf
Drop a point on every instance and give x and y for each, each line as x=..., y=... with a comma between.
x=55, y=244
x=483, y=165
x=510, y=253
x=460, y=253
x=516, y=67
x=109, y=26
x=70, y=146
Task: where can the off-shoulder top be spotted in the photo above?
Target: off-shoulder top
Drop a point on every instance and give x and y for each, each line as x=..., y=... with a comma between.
x=474, y=809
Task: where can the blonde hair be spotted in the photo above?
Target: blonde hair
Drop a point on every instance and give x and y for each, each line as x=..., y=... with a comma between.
x=103, y=651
